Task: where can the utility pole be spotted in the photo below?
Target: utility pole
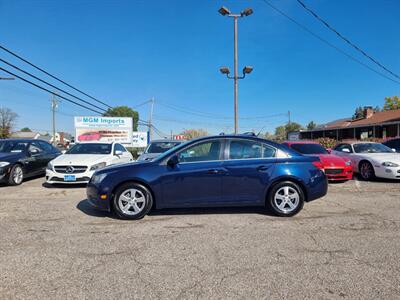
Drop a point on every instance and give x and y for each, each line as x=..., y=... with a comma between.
x=54, y=105
x=288, y=116
x=151, y=119
x=224, y=70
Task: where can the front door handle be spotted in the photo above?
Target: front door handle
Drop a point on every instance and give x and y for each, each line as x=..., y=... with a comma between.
x=213, y=171
x=262, y=168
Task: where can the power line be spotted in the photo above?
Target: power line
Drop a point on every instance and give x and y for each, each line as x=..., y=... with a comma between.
x=328, y=43
x=49, y=84
x=52, y=76
x=346, y=39
x=44, y=89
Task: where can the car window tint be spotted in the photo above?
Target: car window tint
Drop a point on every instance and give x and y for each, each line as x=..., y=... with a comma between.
x=242, y=149
x=343, y=146
x=205, y=151
x=119, y=147
x=35, y=147
x=47, y=147
x=268, y=151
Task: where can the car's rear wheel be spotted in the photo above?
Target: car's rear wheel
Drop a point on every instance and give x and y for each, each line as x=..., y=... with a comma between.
x=132, y=201
x=367, y=171
x=286, y=199
x=16, y=175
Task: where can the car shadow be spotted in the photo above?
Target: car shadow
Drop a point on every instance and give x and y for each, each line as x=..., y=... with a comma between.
x=63, y=186
x=85, y=207
x=4, y=184
x=376, y=179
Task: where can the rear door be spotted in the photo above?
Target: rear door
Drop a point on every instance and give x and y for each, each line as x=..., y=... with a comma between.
x=197, y=179
x=248, y=168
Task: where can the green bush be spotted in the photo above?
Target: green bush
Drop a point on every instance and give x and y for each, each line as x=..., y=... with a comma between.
x=327, y=142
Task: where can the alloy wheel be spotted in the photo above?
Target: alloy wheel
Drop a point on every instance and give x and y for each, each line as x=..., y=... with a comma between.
x=286, y=199
x=366, y=170
x=132, y=202
x=17, y=175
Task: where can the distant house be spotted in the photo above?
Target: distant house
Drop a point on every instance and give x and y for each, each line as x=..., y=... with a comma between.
x=61, y=137
x=384, y=125
x=25, y=135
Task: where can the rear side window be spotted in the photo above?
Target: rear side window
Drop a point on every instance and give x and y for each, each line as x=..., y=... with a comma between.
x=243, y=149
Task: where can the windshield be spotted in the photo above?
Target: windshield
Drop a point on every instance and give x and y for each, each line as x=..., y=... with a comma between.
x=90, y=149
x=161, y=147
x=309, y=148
x=13, y=146
x=371, y=148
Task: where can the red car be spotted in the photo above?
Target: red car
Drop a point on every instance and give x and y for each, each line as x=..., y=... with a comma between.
x=336, y=168
x=89, y=136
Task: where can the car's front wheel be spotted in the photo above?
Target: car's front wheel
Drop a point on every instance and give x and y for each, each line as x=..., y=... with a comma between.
x=16, y=175
x=132, y=201
x=367, y=171
x=286, y=199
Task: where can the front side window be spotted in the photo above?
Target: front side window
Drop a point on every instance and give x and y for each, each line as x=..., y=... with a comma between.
x=206, y=151
x=91, y=148
x=344, y=148
x=47, y=147
x=34, y=147
x=119, y=147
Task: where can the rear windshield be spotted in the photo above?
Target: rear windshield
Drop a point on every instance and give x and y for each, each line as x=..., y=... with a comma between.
x=161, y=147
x=309, y=148
x=90, y=149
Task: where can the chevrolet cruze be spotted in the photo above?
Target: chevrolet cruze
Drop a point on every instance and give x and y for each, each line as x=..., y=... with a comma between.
x=234, y=170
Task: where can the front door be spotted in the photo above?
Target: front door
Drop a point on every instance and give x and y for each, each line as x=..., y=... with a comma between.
x=197, y=178
x=249, y=166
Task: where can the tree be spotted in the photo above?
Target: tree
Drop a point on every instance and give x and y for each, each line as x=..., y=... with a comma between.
x=26, y=129
x=359, y=113
x=391, y=103
x=311, y=125
x=7, y=122
x=281, y=132
x=191, y=134
x=123, y=111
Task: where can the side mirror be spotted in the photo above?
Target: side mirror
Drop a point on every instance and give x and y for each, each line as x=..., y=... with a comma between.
x=329, y=150
x=63, y=151
x=345, y=150
x=118, y=153
x=173, y=161
x=394, y=150
x=33, y=151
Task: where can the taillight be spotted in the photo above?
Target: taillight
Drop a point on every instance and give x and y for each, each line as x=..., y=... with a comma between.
x=318, y=164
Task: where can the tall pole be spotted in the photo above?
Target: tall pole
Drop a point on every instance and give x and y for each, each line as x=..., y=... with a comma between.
x=288, y=116
x=54, y=105
x=151, y=119
x=236, y=73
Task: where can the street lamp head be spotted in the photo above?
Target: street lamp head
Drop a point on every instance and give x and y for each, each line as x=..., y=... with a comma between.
x=247, y=69
x=224, y=11
x=246, y=12
x=224, y=70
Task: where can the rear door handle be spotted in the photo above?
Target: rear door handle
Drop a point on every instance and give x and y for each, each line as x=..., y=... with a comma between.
x=262, y=168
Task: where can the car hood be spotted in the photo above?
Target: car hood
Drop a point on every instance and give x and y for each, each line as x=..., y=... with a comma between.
x=331, y=160
x=115, y=168
x=148, y=156
x=10, y=156
x=382, y=157
x=80, y=159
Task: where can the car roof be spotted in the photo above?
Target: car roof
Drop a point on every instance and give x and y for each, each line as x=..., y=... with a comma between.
x=91, y=142
x=21, y=140
x=242, y=137
x=300, y=142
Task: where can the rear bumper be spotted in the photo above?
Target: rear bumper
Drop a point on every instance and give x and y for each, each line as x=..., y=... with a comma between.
x=318, y=188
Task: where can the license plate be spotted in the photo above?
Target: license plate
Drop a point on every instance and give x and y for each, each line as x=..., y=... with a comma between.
x=69, y=178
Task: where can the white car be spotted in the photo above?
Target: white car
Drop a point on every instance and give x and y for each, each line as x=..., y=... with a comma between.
x=371, y=159
x=78, y=164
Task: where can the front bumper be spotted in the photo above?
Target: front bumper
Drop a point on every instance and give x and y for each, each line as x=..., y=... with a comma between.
x=387, y=172
x=93, y=195
x=53, y=177
x=339, y=174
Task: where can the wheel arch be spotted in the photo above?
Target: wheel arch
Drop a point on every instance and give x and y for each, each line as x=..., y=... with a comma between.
x=295, y=180
x=364, y=160
x=132, y=180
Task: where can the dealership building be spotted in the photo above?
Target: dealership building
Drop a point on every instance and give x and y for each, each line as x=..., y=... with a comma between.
x=383, y=125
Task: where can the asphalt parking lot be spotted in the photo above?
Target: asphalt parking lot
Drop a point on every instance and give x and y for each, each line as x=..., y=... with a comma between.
x=346, y=245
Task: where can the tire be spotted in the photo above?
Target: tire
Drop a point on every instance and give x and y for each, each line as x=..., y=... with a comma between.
x=367, y=171
x=286, y=199
x=16, y=175
x=131, y=207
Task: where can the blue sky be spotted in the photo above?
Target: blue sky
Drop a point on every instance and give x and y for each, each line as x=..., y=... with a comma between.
x=125, y=52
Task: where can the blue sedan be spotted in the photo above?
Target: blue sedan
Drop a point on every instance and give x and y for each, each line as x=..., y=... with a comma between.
x=230, y=170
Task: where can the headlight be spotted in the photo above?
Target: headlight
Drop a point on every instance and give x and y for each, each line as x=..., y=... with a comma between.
x=348, y=163
x=98, y=166
x=4, y=164
x=389, y=164
x=49, y=166
x=97, y=178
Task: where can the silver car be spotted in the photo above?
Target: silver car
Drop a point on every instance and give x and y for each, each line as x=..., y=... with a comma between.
x=156, y=147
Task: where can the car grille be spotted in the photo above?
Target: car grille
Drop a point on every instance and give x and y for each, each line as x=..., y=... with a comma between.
x=70, y=169
x=333, y=171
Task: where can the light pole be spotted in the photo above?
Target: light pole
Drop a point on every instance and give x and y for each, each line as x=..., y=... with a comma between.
x=225, y=70
x=7, y=78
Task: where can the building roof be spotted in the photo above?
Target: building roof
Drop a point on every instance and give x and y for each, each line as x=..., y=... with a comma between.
x=25, y=135
x=375, y=119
